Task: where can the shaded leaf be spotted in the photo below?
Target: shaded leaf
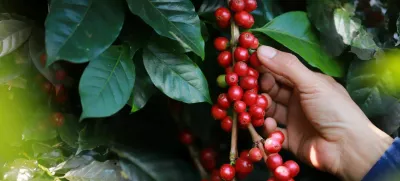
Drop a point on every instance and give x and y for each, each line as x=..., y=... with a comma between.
x=21, y=169
x=96, y=171
x=301, y=40
x=69, y=131
x=398, y=25
x=51, y=158
x=85, y=27
x=72, y=163
x=39, y=127
x=13, y=33
x=176, y=20
x=39, y=148
x=148, y=166
x=389, y=122
x=208, y=8
x=14, y=64
x=107, y=83
x=353, y=34
x=95, y=134
x=175, y=74
x=144, y=87
x=266, y=11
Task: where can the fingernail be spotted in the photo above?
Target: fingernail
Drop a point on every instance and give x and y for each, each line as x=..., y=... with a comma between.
x=267, y=52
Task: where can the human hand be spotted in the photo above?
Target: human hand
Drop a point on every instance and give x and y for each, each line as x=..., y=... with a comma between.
x=323, y=125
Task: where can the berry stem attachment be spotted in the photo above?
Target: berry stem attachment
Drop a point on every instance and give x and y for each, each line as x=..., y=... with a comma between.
x=195, y=156
x=258, y=140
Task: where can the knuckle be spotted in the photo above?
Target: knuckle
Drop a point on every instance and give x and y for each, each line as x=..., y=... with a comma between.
x=290, y=60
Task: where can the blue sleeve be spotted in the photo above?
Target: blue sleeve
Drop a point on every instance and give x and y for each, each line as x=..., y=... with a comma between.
x=387, y=168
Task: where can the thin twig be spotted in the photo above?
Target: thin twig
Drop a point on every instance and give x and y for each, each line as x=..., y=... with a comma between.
x=257, y=139
x=194, y=154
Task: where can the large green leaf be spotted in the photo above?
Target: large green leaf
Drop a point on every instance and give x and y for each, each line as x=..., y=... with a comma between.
x=144, y=88
x=96, y=171
x=69, y=131
x=96, y=133
x=353, y=34
x=152, y=166
x=72, y=163
x=13, y=33
x=266, y=11
x=176, y=20
x=107, y=83
x=15, y=64
x=80, y=30
x=320, y=14
x=301, y=40
x=174, y=73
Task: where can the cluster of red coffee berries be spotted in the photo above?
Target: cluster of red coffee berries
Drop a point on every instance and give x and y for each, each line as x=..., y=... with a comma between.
x=242, y=78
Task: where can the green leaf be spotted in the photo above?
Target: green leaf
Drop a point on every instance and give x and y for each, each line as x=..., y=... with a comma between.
x=266, y=11
x=20, y=168
x=69, y=131
x=353, y=34
x=80, y=30
x=36, y=50
x=39, y=128
x=96, y=171
x=107, y=83
x=95, y=134
x=39, y=148
x=144, y=88
x=175, y=74
x=301, y=40
x=176, y=20
x=320, y=14
x=151, y=166
x=15, y=64
x=13, y=34
x=72, y=163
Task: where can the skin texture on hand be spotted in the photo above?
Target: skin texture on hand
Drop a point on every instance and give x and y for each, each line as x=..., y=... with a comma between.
x=323, y=125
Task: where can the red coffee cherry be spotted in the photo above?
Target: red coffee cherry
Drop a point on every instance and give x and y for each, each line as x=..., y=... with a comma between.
x=272, y=146
x=208, y=154
x=226, y=124
x=47, y=87
x=256, y=112
x=241, y=68
x=237, y=5
x=244, y=119
x=257, y=122
x=225, y=59
x=223, y=17
x=61, y=74
x=246, y=40
x=253, y=72
x=243, y=165
x=274, y=160
x=221, y=43
x=209, y=165
x=227, y=172
x=215, y=176
x=282, y=173
x=241, y=54
x=249, y=98
x=231, y=78
x=43, y=59
x=293, y=167
x=223, y=101
x=228, y=70
x=254, y=61
x=235, y=93
x=244, y=19
x=248, y=82
x=251, y=5
x=278, y=136
x=272, y=179
x=58, y=119
x=186, y=137
x=244, y=154
x=255, y=155
x=239, y=106
x=255, y=44
x=262, y=101
x=218, y=113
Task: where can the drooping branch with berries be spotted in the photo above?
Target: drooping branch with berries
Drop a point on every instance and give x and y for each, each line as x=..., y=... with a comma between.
x=243, y=97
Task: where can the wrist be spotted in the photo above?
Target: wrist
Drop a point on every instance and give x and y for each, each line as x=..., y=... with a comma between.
x=363, y=148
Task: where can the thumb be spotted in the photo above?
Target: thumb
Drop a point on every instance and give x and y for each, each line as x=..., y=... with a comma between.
x=286, y=65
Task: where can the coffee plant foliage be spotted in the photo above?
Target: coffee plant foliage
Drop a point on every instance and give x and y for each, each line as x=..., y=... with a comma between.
x=128, y=75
